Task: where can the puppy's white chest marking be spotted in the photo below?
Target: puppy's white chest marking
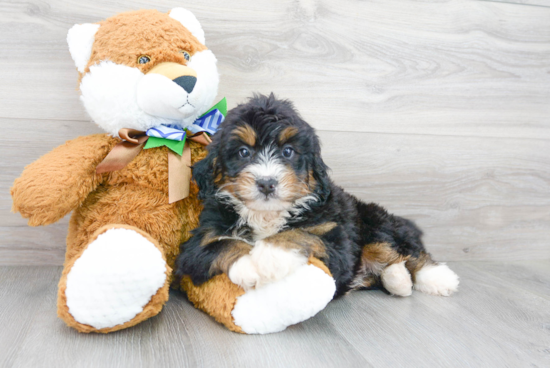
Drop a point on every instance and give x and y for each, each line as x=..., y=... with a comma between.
x=265, y=223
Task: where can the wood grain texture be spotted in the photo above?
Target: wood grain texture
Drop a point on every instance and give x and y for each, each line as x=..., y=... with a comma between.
x=445, y=67
x=475, y=198
x=545, y=3
x=437, y=110
x=499, y=318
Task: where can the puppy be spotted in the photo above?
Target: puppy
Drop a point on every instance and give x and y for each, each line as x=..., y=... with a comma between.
x=269, y=205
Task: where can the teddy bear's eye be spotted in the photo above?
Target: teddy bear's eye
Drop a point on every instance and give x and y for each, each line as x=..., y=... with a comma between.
x=185, y=54
x=144, y=59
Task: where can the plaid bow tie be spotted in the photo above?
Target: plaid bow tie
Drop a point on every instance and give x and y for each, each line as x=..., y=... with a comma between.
x=173, y=137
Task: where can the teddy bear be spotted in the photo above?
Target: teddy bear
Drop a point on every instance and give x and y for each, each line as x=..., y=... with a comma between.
x=147, y=79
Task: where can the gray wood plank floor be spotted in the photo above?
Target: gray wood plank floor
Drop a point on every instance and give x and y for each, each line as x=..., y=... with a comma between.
x=499, y=318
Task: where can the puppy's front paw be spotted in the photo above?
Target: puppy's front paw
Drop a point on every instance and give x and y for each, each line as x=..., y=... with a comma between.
x=273, y=262
x=243, y=273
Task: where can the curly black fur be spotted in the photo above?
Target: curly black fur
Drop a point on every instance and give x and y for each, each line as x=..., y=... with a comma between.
x=358, y=224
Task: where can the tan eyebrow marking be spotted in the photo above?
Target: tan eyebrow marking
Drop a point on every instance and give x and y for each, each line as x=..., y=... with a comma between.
x=246, y=134
x=287, y=133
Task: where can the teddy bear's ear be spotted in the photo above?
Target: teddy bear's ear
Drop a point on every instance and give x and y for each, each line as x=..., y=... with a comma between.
x=189, y=21
x=81, y=39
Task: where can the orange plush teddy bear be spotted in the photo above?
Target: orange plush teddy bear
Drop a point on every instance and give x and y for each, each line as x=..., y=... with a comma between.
x=144, y=76
x=148, y=80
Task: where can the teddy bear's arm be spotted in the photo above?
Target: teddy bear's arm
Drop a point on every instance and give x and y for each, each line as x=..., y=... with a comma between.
x=59, y=181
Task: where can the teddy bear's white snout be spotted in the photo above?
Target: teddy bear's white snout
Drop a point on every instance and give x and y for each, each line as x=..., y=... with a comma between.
x=118, y=96
x=160, y=96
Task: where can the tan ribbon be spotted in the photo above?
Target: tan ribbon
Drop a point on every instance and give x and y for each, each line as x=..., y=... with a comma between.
x=179, y=167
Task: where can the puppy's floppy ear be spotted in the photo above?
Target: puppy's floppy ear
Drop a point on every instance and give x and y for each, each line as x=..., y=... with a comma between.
x=204, y=172
x=319, y=172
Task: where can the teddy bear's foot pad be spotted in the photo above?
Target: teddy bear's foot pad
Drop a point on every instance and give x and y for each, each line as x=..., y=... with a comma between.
x=293, y=299
x=114, y=278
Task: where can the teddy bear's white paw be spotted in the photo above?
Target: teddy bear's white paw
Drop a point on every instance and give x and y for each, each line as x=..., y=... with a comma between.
x=436, y=279
x=114, y=279
x=243, y=273
x=274, y=263
x=397, y=279
x=279, y=304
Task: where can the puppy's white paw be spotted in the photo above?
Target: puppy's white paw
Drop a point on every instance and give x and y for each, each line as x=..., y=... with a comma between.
x=397, y=279
x=436, y=279
x=274, y=263
x=243, y=273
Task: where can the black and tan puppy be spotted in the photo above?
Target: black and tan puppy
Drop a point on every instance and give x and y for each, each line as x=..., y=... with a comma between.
x=269, y=205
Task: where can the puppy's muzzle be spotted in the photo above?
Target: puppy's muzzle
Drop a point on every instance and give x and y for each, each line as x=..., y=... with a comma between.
x=266, y=186
x=182, y=75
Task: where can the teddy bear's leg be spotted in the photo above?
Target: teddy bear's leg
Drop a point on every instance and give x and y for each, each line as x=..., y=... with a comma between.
x=217, y=297
x=117, y=280
x=269, y=308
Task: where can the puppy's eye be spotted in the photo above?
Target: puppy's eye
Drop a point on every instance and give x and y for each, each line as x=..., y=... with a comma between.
x=288, y=152
x=185, y=55
x=244, y=152
x=144, y=59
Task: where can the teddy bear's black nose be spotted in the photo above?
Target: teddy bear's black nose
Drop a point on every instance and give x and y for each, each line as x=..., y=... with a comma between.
x=186, y=82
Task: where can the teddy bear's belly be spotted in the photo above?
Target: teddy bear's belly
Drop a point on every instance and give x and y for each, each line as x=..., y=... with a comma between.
x=138, y=196
x=147, y=172
x=146, y=209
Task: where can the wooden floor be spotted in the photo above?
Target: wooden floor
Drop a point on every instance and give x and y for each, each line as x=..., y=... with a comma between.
x=499, y=318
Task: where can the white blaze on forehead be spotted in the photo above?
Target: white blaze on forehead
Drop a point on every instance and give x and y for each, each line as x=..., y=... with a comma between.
x=267, y=165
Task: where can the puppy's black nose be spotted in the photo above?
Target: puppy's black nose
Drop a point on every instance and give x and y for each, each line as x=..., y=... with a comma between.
x=266, y=186
x=187, y=82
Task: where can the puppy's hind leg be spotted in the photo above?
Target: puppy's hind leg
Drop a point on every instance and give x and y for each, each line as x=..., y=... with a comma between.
x=397, y=279
x=431, y=277
x=381, y=263
x=428, y=276
x=394, y=251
